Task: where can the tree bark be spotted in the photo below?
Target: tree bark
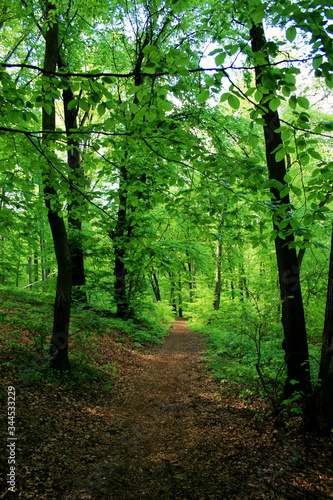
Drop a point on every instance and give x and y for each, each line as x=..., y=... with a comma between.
x=74, y=222
x=62, y=303
x=155, y=286
x=217, y=288
x=119, y=248
x=319, y=412
x=180, y=299
x=172, y=294
x=295, y=340
x=124, y=226
x=36, y=266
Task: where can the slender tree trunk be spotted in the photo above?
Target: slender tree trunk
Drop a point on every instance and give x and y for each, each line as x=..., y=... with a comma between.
x=2, y=239
x=18, y=270
x=62, y=303
x=36, y=266
x=172, y=294
x=180, y=298
x=193, y=271
x=119, y=248
x=192, y=279
x=42, y=245
x=217, y=288
x=124, y=226
x=155, y=286
x=42, y=260
x=74, y=222
x=295, y=340
x=29, y=268
x=232, y=288
x=319, y=412
x=243, y=284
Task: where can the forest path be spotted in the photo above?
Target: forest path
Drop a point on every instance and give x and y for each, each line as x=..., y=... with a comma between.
x=163, y=429
x=170, y=435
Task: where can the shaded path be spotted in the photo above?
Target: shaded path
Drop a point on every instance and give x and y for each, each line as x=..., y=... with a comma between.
x=163, y=430
x=170, y=435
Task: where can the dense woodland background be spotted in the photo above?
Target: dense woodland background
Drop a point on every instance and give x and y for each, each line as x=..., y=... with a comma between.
x=164, y=158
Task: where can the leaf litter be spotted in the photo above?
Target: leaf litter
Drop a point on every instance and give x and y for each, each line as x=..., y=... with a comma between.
x=164, y=429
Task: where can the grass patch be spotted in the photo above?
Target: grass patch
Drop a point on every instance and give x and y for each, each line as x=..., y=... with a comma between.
x=241, y=338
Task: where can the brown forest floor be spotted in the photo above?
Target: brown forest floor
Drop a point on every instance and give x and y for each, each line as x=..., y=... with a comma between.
x=165, y=430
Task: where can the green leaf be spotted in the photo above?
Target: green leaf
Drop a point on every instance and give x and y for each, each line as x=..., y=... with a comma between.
x=293, y=102
x=139, y=115
x=108, y=79
x=134, y=108
x=317, y=62
x=210, y=81
x=329, y=81
x=167, y=106
x=233, y=101
x=225, y=96
x=203, y=96
x=284, y=191
x=250, y=91
x=149, y=48
x=294, y=223
x=48, y=108
x=307, y=219
x=274, y=103
x=150, y=114
x=84, y=105
x=133, y=89
x=101, y=108
x=314, y=154
x=305, y=158
x=219, y=59
x=303, y=102
x=291, y=33
x=280, y=154
x=319, y=216
x=183, y=71
x=72, y=104
x=253, y=140
x=259, y=14
x=109, y=124
x=258, y=95
x=286, y=91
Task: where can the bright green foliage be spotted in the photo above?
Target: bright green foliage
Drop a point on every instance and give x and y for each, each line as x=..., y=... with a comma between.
x=174, y=166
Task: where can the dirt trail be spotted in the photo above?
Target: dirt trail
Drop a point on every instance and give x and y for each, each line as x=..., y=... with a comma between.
x=171, y=435
x=165, y=430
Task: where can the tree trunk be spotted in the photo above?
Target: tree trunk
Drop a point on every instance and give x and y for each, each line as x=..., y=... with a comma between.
x=36, y=266
x=319, y=413
x=74, y=222
x=295, y=341
x=172, y=294
x=180, y=299
x=119, y=248
x=155, y=286
x=217, y=288
x=18, y=270
x=192, y=279
x=124, y=227
x=243, y=283
x=29, y=269
x=62, y=303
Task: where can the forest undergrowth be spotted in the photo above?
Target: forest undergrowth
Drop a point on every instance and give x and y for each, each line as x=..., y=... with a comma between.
x=145, y=413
